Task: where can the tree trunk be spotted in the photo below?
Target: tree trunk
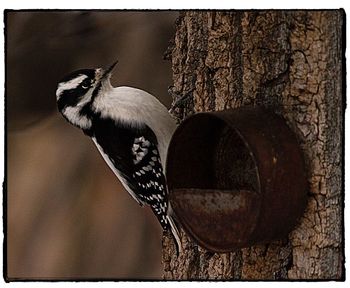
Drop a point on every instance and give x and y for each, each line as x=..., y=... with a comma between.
x=292, y=62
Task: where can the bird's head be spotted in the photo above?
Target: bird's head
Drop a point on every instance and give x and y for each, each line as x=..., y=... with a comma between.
x=77, y=90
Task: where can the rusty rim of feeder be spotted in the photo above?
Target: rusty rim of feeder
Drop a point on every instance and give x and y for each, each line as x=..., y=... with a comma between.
x=236, y=178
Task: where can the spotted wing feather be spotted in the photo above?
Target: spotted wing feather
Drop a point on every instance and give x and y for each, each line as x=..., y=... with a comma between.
x=148, y=174
x=134, y=157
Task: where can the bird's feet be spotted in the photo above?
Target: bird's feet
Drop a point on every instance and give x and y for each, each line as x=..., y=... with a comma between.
x=179, y=101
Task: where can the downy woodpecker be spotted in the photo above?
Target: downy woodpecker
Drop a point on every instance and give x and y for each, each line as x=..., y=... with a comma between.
x=131, y=130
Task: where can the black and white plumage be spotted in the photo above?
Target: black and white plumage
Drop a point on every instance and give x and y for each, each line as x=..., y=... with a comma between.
x=131, y=130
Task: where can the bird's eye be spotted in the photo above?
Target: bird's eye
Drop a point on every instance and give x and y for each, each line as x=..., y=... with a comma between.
x=86, y=84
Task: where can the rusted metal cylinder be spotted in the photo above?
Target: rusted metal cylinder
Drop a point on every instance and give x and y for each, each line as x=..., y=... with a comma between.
x=236, y=178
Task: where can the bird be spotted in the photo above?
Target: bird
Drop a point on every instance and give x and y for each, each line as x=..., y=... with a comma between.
x=130, y=128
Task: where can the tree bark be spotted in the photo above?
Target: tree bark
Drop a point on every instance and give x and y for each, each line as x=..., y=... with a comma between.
x=292, y=62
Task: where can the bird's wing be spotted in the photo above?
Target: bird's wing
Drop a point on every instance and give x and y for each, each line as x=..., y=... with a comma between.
x=133, y=156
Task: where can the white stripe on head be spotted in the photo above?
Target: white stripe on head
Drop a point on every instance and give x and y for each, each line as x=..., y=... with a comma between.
x=71, y=84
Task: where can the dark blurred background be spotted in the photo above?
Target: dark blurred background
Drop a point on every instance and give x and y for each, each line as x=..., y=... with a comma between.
x=68, y=215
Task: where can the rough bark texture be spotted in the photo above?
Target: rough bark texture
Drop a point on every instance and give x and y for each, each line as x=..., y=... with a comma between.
x=290, y=61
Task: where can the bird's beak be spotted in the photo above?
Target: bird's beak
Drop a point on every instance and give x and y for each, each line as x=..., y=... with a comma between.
x=109, y=70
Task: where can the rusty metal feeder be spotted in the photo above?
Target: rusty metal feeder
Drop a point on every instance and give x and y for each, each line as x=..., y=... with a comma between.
x=236, y=178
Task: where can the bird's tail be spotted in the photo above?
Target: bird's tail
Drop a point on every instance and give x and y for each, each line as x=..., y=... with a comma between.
x=168, y=224
x=174, y=230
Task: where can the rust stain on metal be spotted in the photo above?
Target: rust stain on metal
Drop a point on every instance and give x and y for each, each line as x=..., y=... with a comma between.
x=210, y=213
